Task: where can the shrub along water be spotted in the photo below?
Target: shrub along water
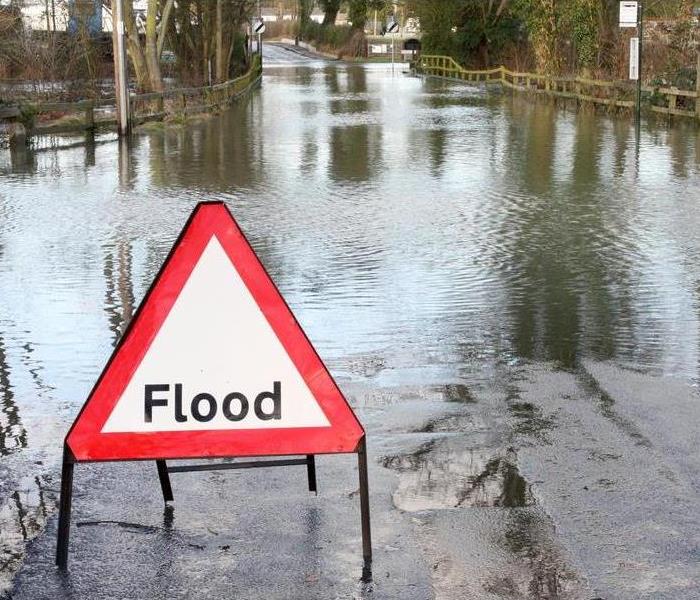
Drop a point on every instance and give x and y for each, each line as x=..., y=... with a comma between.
x=557, y=37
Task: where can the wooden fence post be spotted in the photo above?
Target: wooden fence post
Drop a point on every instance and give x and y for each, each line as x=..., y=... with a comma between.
x=672, y=102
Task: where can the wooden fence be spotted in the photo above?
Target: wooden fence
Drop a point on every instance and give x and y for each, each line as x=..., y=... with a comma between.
x=619, y=94
x=49, y=117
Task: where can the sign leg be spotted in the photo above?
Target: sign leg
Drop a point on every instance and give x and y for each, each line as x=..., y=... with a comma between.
x=364, y=502
x=311, y=472
x=164, y=481
x=65, y=509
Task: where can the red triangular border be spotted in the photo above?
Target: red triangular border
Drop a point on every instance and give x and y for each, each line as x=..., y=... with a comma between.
x=85, y=438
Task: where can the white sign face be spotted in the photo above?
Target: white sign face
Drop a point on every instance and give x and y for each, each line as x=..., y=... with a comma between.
x=628, y=14
x=215, y=364
x=393, y=27
x=259, y=26
x=634, y=58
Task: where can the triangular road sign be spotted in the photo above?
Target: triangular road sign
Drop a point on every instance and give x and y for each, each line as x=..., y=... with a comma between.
x=213, y=364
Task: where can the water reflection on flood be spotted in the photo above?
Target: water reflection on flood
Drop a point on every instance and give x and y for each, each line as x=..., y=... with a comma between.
x=447, y=473
x=428, y=228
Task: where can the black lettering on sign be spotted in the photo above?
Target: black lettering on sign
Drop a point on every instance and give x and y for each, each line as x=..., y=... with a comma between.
x=196, y=401
x=149, y=401
x=276, y=397
x=204, y=406
x=179, y=417
x=226, y=407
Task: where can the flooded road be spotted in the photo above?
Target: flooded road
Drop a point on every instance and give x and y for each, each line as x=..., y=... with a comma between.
x=506, y=292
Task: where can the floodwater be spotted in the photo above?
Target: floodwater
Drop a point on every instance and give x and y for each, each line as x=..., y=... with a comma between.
x=507, y=292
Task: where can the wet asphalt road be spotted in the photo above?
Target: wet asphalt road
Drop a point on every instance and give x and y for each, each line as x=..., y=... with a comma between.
x=531, y=413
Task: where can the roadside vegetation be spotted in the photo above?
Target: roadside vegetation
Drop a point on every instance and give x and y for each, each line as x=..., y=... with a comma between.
x=563, y=37
x=188, y=42
x=344, y=40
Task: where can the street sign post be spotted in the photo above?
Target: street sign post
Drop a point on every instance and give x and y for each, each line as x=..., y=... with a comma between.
x=393, y=28
x=213, y=365
x=259, y=29
x=632, y=15
x=628, y=14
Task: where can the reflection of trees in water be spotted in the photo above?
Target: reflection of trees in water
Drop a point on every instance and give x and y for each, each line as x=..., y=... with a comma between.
x=568, y=245
x=355, y=152
x=538, y=125
x=355, y=149
x=445, y=474
x=23, y=159
x=678, y=141
x=119, y=294
x=216, y=153
x=13, y=435
x=437, y=143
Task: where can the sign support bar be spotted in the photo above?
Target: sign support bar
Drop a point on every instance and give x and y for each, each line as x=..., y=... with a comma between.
x=65, y=508
x=164, y=481
x=311, y=473
x=64, y=515
x=364, y=502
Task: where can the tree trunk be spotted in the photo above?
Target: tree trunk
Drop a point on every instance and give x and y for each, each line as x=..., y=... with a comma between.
x=164, y=24
x=330, y=11
x=152, y=61
x=134, y=48
x=220, y=62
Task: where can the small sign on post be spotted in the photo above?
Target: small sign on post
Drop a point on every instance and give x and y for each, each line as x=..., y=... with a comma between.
x=634, y=58
x=259, y=26
x=213, y=365
x=392, y=27
x=628, y=13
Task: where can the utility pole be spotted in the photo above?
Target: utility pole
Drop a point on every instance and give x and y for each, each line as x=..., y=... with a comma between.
x=121, y=82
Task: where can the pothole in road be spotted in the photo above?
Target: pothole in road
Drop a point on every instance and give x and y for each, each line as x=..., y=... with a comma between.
x=443, y=474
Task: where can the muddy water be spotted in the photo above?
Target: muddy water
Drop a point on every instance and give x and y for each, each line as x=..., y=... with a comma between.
x=487, y=278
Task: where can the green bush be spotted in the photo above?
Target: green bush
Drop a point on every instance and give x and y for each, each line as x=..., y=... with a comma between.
x=332, y=36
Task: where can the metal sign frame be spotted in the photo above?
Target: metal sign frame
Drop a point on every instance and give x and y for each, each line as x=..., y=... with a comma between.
x=69, y=462
x=86, y=443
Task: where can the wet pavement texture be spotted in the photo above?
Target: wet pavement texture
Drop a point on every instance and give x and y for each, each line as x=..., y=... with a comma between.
x=505, y=291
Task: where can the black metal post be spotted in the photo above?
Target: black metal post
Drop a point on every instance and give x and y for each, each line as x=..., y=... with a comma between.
x=311, y=472
x=65, y=508
x=640, y=63
x=164, y=481
x=364, y=502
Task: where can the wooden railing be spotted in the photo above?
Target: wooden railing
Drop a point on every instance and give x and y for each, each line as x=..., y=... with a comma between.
x=88, y=114
x=183, y=101
x=619, y=94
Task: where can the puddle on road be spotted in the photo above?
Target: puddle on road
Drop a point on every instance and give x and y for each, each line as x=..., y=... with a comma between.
x=444, y=474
